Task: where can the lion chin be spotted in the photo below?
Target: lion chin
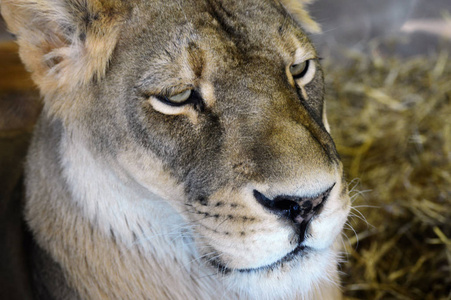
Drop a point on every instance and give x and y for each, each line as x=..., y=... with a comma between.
x=183, y=151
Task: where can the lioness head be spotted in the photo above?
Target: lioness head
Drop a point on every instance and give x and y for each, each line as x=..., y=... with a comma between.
x=213, y=108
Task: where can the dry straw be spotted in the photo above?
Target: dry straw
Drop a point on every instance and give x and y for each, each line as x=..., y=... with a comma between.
x=391, y=120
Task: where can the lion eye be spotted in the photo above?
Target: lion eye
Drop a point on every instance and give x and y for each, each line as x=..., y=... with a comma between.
x=180, y=97
x=177, y=101
x=299, y=70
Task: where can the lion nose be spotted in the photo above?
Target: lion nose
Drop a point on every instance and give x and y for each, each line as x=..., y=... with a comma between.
x=299, y=210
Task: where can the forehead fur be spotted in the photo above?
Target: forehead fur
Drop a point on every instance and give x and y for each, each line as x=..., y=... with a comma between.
x=204, y=32
x=68, y=44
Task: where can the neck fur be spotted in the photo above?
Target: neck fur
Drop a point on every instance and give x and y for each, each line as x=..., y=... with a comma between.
x=112, y=239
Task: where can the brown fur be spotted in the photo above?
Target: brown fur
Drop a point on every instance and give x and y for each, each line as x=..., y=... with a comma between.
x=19, y=99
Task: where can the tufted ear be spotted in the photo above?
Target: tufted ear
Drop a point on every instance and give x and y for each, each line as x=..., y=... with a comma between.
x=64, y=43
x=297, y=9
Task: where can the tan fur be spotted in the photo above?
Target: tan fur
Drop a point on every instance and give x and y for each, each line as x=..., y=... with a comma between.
x=136, y=197
x=56, y=58
x=297, y=8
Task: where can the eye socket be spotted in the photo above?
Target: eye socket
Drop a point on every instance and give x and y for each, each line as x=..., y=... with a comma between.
x=180, y=97
x=299, y=70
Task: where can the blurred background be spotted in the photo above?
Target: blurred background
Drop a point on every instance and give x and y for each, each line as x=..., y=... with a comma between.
x=388, y=78
x=402, y=27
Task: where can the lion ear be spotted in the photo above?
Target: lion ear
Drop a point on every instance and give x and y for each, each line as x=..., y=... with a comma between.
x=64, y=43
x=297, y=9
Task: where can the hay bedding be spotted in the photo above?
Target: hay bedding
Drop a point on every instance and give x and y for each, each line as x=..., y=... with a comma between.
x=391, y=121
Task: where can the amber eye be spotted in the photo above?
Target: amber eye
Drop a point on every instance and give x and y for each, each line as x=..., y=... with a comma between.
x=299, y=70
x=180, y=97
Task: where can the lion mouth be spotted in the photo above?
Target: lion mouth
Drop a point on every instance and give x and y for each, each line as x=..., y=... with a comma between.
x=296, y=252
x=299, y=251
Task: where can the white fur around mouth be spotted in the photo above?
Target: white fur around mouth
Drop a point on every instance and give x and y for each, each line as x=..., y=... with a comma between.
x=298, y=251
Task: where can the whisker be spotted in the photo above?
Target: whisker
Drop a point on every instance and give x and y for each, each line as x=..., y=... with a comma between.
x=355, y=233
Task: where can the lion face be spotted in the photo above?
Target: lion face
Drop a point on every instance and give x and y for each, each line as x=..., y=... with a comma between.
x=215, y=108
x=230, y=107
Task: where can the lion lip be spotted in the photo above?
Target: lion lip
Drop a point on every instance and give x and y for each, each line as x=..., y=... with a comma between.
x=298, y=251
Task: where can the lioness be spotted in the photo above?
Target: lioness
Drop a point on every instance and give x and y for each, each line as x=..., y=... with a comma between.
x=182, y=153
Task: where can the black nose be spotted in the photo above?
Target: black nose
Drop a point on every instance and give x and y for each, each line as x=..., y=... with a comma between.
x=299, y=210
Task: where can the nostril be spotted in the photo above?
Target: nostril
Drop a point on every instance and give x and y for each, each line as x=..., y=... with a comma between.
x=285, y=207
x=282, y=206
x=299, y=210
x=294, y=208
